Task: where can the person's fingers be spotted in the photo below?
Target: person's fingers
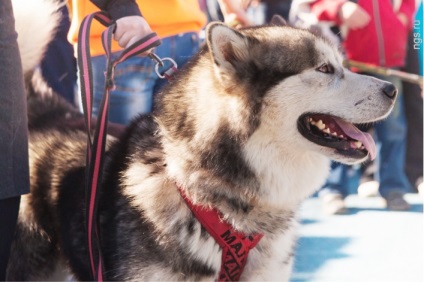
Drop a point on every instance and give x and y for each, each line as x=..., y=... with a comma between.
x=363, y=17
x=403, y=19
x=353, y=16
x=123, y=39
x=119, y=37
x=130, y=29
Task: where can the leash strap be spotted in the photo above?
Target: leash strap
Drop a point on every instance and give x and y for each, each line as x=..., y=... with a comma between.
x=235, y=245
x=96, y=146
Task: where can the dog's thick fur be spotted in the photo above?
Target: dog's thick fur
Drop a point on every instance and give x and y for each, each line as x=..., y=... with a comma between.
x=231, y=129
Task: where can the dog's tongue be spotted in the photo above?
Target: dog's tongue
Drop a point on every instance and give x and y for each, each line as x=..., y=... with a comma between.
x=354, y=133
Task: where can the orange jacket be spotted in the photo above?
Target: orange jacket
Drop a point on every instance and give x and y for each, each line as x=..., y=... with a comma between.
x=165, y=17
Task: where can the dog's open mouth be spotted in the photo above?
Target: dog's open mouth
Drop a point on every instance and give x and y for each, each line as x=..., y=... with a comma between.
x=334, y=132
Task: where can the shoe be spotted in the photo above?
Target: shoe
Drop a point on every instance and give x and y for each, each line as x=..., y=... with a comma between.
x=333, y=204
x=396, y=202
x=368, y=189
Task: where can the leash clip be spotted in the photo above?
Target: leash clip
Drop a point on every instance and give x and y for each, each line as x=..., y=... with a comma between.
x=160, y=62
x=156, y=58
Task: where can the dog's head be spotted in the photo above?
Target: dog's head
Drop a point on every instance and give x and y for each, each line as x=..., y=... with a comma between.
x=303, y=96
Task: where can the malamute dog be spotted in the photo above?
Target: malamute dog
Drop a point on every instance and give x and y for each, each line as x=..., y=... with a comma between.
x=247, y=128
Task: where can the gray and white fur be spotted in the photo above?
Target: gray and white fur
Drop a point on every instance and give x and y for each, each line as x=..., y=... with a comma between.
x=230, y=130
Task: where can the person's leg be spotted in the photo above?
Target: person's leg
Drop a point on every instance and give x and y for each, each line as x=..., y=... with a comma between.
x=335, y=189
x=413, y=102
x=335, y=181
x=391, y=134
x=9, y=209
x=14, y=171
x=134, y=79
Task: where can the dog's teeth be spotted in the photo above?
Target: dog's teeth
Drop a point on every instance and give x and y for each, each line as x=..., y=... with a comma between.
x=313, y=122
x=358, y=144
x=320, y=125
x=334, y=134
x=327, y=130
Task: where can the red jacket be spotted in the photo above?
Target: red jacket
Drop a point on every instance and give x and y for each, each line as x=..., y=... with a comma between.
x=383, y=41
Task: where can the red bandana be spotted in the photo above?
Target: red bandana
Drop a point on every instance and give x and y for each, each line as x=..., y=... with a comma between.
x=235, y=245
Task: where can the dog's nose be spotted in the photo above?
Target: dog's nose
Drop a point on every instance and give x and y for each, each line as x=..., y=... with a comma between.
x=390, y=90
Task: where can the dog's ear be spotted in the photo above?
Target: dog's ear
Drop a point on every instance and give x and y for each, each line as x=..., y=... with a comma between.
x=227, y=46
x=278, y=20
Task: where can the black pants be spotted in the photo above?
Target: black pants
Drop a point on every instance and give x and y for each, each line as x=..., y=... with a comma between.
x=14, y=174
x=8, y=216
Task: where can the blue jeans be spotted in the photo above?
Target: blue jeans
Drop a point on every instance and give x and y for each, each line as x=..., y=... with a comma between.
x=135, y=79
x=391, y=136
x=391, y=141
x=342, y=180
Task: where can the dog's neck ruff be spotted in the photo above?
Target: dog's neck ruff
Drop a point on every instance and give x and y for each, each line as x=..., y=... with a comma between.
x=235, y=245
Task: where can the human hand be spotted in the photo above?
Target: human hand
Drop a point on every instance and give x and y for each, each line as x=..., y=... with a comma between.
x=130, y=29
x=353, y=16
x=234, y=12
x=403, y=19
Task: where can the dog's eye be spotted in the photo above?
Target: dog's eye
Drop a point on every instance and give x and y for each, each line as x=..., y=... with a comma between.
x=326, y=68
